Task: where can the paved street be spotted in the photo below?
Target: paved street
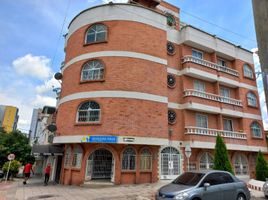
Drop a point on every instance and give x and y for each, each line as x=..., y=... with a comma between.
x=35, y=191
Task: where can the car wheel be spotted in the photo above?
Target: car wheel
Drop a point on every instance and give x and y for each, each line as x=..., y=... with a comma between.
x=241, y=197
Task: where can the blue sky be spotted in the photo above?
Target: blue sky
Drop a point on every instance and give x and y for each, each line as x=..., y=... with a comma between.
x=31, y=42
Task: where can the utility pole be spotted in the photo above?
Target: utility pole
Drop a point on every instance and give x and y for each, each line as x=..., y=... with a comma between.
x=260, y=10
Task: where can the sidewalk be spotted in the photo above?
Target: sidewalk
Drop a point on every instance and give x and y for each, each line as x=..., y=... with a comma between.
x=35, y=190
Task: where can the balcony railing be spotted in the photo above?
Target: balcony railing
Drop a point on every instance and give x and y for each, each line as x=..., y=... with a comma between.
x=190, y=130
x=210, y=65
x=213, y=97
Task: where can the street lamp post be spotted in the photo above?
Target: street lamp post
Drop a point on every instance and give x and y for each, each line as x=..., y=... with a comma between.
x=188, y=153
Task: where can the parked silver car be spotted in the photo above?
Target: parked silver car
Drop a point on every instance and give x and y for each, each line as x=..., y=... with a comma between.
x=265, y=189
x=212, y=185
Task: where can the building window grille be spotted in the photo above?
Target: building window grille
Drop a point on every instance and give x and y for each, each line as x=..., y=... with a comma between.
x=202, y=121
x=221, y=62
x=241, y=164
x=172, y=116
x=96, y=33
x=77, y=157
x=92, y=70
x=170, y=48
x=256, y=130
x=171, y=80
x=248, y=71
x=206, y=161
x=228, y=125
x=129, y=159
x=146, y=160
x=170, y=161
x=199, y=86
x=89, y=112
x=171, y=21
x=197, y=54
x=67, y=157
x=252, y=99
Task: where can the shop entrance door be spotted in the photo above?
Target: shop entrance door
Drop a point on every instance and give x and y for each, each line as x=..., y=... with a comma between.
x=170, y=163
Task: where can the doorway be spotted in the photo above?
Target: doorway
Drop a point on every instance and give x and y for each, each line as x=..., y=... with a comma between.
x=100, y=165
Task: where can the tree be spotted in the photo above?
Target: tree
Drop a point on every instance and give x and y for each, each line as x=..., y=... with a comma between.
x=261, y=168
x=221, y=159
x=15, y=142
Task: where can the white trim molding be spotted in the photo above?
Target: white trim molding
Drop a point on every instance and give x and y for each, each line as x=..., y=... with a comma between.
x=128, y=54
x=118, y=12
x=115, y=94
x=212, y=109
x=120, y=140
x=237, y=147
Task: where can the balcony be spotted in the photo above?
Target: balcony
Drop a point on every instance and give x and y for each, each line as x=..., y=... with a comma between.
x=210, y=65
x=190, y=130
x=213, y=97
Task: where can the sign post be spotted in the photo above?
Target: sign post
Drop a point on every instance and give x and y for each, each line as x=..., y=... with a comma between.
x=10, y=157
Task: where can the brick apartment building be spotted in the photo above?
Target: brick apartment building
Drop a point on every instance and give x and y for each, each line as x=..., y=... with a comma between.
x=139, y=87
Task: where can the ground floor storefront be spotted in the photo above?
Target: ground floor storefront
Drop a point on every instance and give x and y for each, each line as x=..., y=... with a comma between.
x=135, y=164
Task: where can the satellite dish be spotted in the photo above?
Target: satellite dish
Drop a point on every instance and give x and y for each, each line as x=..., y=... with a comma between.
x=58, y=76
x=52, y=127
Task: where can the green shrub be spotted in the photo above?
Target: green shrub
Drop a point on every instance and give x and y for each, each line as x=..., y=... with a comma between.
x=261, y=168
x=221, y=159
x=14, y=167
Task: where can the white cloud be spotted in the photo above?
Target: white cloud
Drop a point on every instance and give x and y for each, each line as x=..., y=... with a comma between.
x=34, y=66
x=41, y=101
x=48, y=86
x=115, y=1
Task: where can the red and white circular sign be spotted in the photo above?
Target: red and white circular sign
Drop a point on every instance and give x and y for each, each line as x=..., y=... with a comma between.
x=11, y=156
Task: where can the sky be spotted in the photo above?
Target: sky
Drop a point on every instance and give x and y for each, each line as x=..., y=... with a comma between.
x=31, y=43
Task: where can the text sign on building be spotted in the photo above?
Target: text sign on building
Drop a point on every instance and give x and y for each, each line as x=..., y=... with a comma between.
x=99, y=139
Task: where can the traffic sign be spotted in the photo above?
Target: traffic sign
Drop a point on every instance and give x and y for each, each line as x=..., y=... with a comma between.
x=11, y=156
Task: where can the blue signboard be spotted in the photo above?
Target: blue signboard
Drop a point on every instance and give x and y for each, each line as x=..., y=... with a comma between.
x=99, y=139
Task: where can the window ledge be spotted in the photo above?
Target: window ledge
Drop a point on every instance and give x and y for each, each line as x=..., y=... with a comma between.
x=256, y=107
x=91, y=81
x=76, y=169
x=87, y=123
x=249, y=78
x=99, y=42
x=257, y=138
x=146, y=171
x=128, y=171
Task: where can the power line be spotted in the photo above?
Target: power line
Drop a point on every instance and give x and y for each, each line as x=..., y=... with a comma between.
x=223, y=28
x=60, y=35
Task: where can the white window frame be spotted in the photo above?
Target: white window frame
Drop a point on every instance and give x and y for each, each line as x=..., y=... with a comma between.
x=252, y=99
x=224, y=91
x=95, y=33
x=248, y=72
x=199, y=86
x=128, y=157
x=201, y=116
x=77, y=157
x=253, y=129
x=220, y=61
x=228, y=120
x=207, y=164
x=145, y=160
x=88, y=111
x=197, y=51
x=68, y=156
x=91, y=67
x=239, y=165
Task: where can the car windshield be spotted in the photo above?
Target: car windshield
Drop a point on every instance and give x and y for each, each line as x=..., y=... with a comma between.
x=189, y=178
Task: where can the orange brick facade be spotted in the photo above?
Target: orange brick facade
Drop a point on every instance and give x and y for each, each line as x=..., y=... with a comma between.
x=134, y=99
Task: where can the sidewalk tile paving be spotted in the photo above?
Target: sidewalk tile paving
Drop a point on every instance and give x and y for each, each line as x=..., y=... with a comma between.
x=35, y=190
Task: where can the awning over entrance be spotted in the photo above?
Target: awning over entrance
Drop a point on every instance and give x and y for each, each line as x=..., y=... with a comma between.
x=48, y=149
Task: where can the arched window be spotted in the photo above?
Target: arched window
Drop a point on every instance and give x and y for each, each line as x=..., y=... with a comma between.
x=146, y=160
x=77, y=157
x=67, y=157
x=96, y=33
x=256, y=130
x=206, y=161
x=241, y=164
x=252, y=99
x=92, y=70
x=170, y=162
x=129, y=159
x=89, y=112
x=248, y=71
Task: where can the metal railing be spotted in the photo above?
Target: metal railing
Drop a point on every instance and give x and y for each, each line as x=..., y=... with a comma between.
x=210, y=65
x=191, y=130
x=213, y=97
